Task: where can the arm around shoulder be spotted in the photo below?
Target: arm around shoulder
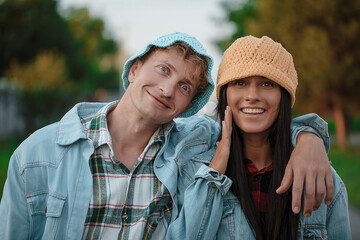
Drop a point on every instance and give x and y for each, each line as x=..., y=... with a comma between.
x=310, y=123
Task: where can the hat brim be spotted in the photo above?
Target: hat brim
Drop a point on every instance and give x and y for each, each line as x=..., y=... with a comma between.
x=249, y=69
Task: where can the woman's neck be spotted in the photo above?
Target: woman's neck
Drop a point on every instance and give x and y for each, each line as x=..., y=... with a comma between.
x=258, y=149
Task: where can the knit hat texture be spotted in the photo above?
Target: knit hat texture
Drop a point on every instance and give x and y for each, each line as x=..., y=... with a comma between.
x=250, y=56
x=168, y=40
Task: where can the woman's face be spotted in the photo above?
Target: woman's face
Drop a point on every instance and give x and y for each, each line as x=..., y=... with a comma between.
x=254, y=103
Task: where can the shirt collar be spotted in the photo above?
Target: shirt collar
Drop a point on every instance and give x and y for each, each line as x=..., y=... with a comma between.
x=98, y=130
x=251, y=168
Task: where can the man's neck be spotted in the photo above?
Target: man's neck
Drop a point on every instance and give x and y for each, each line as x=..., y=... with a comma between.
x=129, y=133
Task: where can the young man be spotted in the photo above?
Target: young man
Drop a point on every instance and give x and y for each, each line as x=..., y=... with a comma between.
x=110, y=170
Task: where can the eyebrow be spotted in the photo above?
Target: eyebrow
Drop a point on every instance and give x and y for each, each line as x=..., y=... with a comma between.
x=186, y=80
x=189, y=82
x=170, y=65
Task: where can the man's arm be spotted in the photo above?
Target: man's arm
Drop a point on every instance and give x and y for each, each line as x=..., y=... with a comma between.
x=309, y=165
x=13, y=207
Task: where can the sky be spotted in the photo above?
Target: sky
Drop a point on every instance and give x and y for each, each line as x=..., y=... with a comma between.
x=137, y=22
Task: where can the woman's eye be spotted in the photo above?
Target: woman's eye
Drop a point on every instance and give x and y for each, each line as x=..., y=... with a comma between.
x=239, y=83
x=267, y=84
x=164, y=69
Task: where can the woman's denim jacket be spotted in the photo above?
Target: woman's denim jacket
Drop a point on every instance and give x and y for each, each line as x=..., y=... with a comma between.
x=211, y=211
x=49, y=183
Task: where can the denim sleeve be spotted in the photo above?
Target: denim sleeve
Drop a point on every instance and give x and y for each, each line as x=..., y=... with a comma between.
x=14, y=216
x=337, y=217
x=201, y=212
x=310, y=123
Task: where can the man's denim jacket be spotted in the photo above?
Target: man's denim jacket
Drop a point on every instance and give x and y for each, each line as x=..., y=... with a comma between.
x=49, y=183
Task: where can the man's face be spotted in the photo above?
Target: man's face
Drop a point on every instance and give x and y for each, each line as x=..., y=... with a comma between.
x=161, y=88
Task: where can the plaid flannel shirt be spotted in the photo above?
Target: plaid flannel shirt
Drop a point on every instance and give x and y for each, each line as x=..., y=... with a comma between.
x=259, y=185
x=124, y=204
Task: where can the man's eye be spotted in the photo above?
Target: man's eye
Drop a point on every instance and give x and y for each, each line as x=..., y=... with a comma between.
x=185, y=87
x=164, y=69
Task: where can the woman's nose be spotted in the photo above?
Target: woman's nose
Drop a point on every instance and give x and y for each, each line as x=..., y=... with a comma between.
x=252, y=92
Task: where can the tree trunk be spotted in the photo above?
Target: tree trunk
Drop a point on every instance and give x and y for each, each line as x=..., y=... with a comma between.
x=340, y=128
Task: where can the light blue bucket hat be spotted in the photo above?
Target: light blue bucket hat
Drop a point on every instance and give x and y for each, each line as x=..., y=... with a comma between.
x=168, y=40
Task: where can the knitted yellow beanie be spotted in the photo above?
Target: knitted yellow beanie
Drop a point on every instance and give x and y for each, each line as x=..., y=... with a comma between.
x=250, y=56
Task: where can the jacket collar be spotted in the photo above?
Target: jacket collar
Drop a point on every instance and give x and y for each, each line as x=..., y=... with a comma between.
x=71, y=128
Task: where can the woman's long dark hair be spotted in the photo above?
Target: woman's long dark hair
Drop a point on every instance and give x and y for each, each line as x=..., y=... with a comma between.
x=280, y=221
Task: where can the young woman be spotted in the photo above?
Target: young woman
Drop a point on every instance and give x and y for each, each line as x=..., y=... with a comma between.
x=256, y=91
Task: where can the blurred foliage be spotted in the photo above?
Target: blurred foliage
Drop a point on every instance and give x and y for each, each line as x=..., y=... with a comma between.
x=323, y=38
x=99, y=52
x=354, y=125
x=54, y=59
x=30, y=26
x=36, y=75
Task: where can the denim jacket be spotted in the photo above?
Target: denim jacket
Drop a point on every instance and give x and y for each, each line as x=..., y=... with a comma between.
x=211, y=211
x=49, y=183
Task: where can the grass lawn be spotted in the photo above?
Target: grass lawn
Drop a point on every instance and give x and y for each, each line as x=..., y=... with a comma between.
x=7, y=147
x=347, y=165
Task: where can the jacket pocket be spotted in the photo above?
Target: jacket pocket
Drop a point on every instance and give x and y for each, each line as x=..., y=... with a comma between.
x=227, y=226
x=314, y=233
x=228, y=208
x=54, y=206
x=45, y=210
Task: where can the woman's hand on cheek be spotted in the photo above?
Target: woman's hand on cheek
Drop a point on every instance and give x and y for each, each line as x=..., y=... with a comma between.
x=221, y=157
x=308, y=167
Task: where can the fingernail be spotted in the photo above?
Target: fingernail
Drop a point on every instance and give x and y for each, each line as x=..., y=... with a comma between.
x=327, y=202
x=296, y=209
x=307, y=214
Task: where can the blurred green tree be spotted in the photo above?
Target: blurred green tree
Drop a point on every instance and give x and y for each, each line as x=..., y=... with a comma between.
x=35, y=76
x=99, y=50
x=54, y=59
x=28, y=27
x=322, y=37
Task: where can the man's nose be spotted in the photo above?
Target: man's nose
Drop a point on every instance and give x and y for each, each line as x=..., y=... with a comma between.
x=167, y=87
